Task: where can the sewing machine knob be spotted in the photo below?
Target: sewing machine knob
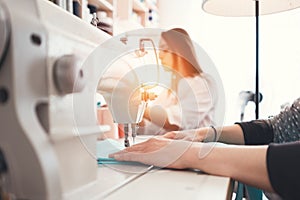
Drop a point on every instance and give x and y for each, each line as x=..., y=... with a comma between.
x=4, y=32
x=68, y=75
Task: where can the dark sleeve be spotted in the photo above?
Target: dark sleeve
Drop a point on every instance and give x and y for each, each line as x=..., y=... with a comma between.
x=257, y=132
x=283, y=163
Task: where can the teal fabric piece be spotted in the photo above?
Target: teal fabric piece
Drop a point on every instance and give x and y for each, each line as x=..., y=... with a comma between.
x=105, y=161
x=252, y=193
x=109, y=146
x=240, y=191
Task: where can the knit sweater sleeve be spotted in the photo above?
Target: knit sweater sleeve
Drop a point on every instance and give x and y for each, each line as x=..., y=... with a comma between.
x=284, y=127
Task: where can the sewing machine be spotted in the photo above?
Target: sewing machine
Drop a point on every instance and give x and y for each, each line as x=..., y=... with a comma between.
x=48, y=113
x=47, y=109
x=47, y=141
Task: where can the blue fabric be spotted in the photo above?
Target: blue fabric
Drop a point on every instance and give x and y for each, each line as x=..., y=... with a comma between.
x=103, y=161
x=240, y=191
x=252, y=193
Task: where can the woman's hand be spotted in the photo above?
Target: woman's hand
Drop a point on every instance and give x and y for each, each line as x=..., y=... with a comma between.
x=196, y=135
x=161, y=152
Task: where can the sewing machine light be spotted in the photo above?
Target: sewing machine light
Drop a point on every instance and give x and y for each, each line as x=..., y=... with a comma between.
x=122, y=84
x=148, y=96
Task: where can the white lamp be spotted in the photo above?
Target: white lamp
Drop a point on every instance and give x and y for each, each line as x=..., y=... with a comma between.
x=239, y=8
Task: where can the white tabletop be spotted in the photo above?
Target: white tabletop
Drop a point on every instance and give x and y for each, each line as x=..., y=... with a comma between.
x=136, y=181
x=120, y=182
x=170, y=184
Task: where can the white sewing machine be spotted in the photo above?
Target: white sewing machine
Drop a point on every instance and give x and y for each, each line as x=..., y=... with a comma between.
x=48, y=134
x=47, y=111
x=47, y=139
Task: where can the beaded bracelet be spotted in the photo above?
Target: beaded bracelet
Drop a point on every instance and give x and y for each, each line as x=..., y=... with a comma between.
x=215, y=133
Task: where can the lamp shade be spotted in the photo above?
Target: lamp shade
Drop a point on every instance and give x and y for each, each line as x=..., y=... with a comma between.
x=238, y=8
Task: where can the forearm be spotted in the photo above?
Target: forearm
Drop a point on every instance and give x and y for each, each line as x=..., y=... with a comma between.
x=245, y=164
x=231, y=134
x=256, y=132
x=227, y=134
x=252, y=165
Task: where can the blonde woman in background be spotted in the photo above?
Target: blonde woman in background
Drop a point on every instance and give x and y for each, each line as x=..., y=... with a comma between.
x=191, y=100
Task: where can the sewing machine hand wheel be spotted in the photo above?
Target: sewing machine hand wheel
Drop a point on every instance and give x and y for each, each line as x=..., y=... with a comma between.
x=4, y=33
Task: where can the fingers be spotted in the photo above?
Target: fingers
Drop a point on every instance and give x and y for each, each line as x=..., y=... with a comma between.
x=181, y=135
x=170, y=135
x=160, y=152
x=176, y=135
x=126, y=154
x=122, y=156
x=132, y=153
x=142, y=123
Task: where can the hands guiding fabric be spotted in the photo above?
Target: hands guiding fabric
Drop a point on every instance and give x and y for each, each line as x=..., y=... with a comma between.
x=161, y=152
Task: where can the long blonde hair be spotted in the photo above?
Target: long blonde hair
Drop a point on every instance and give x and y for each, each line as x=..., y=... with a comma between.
x=181, y=46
